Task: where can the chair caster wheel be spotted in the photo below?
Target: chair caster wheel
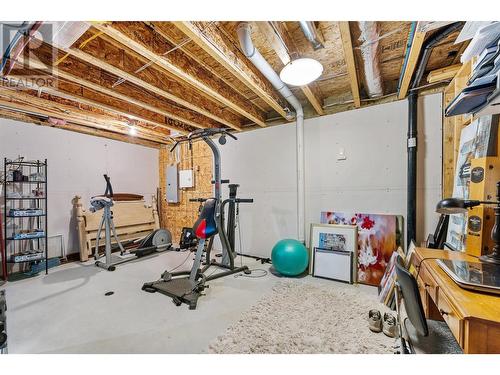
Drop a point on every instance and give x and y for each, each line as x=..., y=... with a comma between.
x=176, y=301
x=247, y=272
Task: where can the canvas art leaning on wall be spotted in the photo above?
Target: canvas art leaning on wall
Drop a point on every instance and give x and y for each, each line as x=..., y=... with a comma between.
x=378, y=237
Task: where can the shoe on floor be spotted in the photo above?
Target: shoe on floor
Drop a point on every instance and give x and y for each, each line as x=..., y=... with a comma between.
x=374, y=321
x=389, y=325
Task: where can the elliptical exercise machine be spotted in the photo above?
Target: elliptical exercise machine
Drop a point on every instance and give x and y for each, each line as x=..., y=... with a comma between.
x=187, y=286
x=157, y=241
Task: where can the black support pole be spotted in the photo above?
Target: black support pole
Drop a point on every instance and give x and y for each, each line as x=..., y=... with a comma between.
x=231, y=216
x=411, y=199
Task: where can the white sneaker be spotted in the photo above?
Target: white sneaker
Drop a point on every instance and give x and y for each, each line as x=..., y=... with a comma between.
x=389, y=325
x=374, y=321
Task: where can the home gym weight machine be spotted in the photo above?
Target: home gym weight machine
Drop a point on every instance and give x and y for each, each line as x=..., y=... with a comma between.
x=187, y=286
x=157, y=241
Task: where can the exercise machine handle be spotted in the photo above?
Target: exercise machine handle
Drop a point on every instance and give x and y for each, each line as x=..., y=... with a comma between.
x=175, y=145
x=201, y=133
x=109, y=189
x=243, y=200
x=237, y=200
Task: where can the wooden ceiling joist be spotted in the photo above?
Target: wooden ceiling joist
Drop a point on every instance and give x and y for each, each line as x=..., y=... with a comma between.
x=144, y=41
x=171, y=34
x=82, y=118
x=283, y=48
x=118, y=109
x=212, y=41
x=64, y=87
x=412, y=61
x=178, y=76
x=443, y=73
x=345, y=34
x=195, y=105
x=313, y=99
x=59, y=110
x=13, y=114
x=128, y=92
x=25, y=102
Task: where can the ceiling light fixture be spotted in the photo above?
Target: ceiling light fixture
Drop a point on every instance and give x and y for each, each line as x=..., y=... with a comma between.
x=301, y=72
x=132, y=130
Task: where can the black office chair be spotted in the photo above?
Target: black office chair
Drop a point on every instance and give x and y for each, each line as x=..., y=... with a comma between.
x=419, y=333
x=3, y=323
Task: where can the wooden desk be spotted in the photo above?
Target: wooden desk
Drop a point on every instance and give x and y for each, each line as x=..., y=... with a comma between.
x=474, y=318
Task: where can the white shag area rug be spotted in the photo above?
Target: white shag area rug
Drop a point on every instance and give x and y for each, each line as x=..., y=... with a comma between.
x=306, y=316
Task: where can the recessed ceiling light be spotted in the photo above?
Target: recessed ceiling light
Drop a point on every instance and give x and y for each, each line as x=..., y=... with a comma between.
x=132, y=130
x=301, y=72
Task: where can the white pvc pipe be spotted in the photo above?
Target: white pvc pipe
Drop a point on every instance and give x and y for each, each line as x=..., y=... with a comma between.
x=244, y=35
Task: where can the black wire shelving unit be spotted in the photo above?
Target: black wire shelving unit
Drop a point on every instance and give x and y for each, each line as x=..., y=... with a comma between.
x=25, y=214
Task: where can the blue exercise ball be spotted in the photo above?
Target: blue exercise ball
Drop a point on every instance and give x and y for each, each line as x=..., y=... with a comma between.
x=290, y=257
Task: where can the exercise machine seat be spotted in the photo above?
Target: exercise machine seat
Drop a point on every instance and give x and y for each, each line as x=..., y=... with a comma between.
x=99, y=202
x=206, y=226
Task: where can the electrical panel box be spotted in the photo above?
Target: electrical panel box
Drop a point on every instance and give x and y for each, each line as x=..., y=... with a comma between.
x=172, y=184
x=186, y=178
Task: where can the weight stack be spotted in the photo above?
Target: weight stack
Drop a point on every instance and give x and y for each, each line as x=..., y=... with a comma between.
x=485, y=173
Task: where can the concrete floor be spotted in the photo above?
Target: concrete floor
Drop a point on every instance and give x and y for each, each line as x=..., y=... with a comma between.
x=67, y=311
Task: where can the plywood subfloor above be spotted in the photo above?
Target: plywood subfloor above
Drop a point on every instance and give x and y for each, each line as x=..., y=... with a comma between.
x=173, y=77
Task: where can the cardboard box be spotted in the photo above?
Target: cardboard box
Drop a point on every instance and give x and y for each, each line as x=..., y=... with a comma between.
x=485, y=173
x=480, y=222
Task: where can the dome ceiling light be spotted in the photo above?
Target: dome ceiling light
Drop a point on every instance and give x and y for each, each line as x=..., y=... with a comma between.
x=301, y=72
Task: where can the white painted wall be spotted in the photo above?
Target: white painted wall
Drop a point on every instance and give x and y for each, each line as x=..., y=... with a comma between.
x=372, y=179
x=76, y=163
x=263, y=162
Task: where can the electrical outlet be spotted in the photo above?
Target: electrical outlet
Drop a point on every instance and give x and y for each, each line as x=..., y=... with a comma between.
x=341, y=154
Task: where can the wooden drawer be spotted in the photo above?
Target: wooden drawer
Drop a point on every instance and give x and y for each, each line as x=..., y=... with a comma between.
x=451, y=317
x=423, y=295
x=428, y=283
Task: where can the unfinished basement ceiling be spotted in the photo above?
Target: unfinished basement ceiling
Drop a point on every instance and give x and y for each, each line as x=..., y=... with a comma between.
x=165, y=78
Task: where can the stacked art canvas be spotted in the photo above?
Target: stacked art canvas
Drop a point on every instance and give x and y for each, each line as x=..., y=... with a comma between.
x=476, y=141
x=333, y=251
x=378, y=237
